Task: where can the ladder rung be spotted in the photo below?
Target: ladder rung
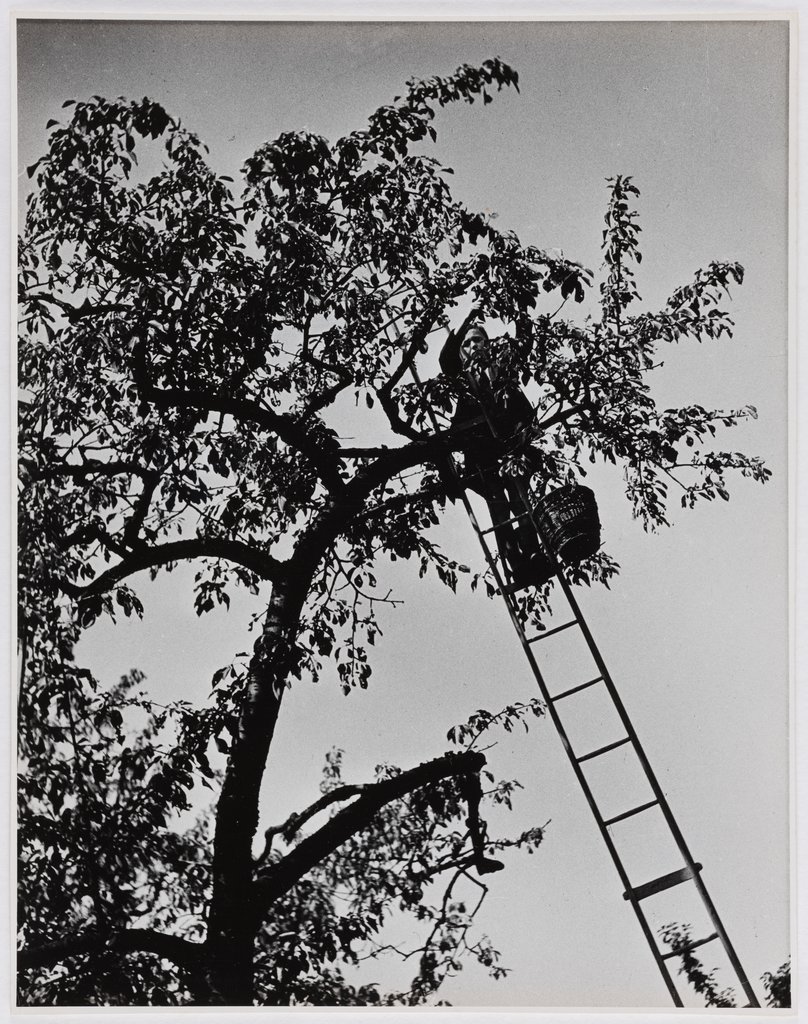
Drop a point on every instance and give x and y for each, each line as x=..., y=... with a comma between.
x=514, y=588
x=664, y=882
x=688, y=946
x=575, y=689
x=549, y=632
x=507, y=522
x=633, y=811
x=603, y=750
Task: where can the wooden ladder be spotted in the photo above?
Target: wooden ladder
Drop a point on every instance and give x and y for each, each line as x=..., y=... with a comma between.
x=635, y=894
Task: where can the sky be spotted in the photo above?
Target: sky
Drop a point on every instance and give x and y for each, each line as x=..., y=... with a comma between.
x=694, y=629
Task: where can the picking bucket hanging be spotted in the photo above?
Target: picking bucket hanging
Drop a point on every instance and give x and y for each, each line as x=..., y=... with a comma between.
x=568, y=519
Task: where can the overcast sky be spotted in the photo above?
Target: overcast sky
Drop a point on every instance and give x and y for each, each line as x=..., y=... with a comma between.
x=694, y=630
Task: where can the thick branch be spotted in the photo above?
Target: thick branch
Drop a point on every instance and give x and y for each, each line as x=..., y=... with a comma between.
x=296, y=821
x=287, y=428
x=87, y=308
x=265, y=566
x=281, y=877
x=396, y=460
x=365, y=453
x=399, y=503
x=394, y=418
x=134, y=524
x=131, y=940
x=328, y=394
x=90, y=467
x=231, y=917
x=326, y=397
x=337, y=515
x=561, y=416
x=450, y=434
x=473, y=792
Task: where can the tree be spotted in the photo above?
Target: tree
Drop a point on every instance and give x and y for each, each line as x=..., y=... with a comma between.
x=182, y=354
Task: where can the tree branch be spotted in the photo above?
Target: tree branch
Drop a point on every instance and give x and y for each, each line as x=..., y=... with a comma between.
x=473, y=792
x=131, y=940
x=417, y=337
x=265, y=566
x=90, y=467
x=296, y=821
x=326, y=397
x=133, y=525
x=337, y=515
x=329, y=393
x=447, y=435
x=87, y=308
x=399, y=502
x=416, y=340
x=279, y=878
x=561, y=416
x=287, y=428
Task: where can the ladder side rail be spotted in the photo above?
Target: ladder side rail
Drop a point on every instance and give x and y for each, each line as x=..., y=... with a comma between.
x=725, y=941
x=664, y=806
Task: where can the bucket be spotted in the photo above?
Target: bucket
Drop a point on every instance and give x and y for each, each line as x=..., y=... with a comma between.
x=568, y=520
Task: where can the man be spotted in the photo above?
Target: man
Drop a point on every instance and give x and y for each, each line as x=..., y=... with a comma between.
x=487, y=387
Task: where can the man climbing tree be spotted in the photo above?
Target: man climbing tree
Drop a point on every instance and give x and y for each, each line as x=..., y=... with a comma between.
x=490, y=398
x=184, y=357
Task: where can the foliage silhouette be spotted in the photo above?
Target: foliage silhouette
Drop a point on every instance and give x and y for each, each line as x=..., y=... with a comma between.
x=184, y=357
x=703, y=981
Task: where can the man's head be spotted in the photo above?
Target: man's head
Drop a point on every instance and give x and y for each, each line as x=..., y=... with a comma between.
x=473, y=343
x=459, y=348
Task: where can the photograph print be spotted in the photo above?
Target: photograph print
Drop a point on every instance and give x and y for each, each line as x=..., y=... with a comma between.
x=402, y=514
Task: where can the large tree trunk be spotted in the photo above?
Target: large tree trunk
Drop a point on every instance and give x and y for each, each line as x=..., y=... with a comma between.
x=233, y=921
